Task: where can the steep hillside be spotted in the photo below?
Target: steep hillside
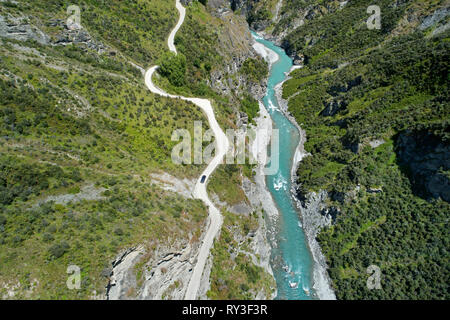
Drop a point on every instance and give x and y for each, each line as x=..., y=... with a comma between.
x=86, y=175
x=369, y=100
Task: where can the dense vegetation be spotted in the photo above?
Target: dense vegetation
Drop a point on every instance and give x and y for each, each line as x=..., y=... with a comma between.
x=214, y=47
x=359, y=91
x=250, y=106
x=256, y=70
x=173, y=67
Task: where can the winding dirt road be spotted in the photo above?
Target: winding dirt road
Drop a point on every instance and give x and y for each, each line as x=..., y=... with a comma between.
x=222, y=145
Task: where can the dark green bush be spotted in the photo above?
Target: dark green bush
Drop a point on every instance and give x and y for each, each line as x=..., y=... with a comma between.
x=59, y=249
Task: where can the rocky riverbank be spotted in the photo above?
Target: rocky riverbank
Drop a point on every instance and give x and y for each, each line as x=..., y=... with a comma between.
x=313, y=212
x=258, y=194
x=315, y=216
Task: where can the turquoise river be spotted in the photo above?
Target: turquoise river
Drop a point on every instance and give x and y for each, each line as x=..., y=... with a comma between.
x=291, y=258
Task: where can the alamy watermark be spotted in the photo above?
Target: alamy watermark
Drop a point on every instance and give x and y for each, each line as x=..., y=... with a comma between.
x=374, y=280
x=374, y=21
x=74, y=20
x=74, y=279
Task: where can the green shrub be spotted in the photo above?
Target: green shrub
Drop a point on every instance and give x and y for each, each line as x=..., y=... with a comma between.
x=255, y=69
x=173, y=67
x=59, y=249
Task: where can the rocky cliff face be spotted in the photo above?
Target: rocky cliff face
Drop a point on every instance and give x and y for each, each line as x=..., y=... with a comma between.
x=243, y=6
x=260, y=14
x=315, y=216
x=236, y=47
x=19, y=28
x=161, y=272
x=426, y=159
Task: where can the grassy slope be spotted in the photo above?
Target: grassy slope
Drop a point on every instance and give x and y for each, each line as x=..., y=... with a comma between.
x=55, y=143
x=75, y=118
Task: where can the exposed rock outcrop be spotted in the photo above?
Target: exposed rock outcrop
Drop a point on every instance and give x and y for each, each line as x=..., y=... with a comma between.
x=427, y=160
x=439, y=20
x=19, y=28
x=75, y=34
x=168, y=182
x=121, y=278
x=161, y=272
x=315, y=215
x=166, y=275
x=236, y=47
